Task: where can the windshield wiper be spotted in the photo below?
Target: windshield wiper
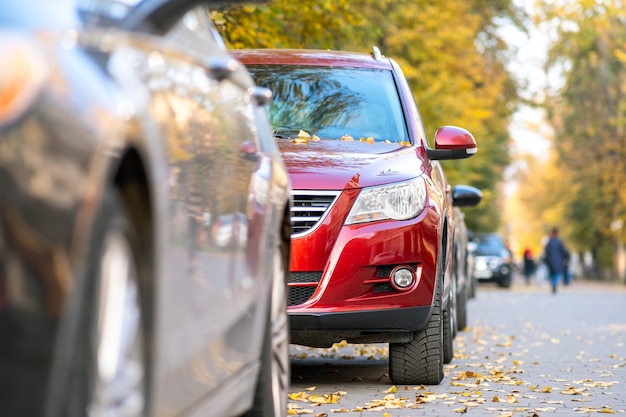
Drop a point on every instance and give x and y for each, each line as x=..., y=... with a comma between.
x=286, y=132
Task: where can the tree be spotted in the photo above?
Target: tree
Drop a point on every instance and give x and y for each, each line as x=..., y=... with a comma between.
x=588, y=116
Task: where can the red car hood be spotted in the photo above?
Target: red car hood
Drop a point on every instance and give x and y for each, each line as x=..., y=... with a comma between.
x=338, y=165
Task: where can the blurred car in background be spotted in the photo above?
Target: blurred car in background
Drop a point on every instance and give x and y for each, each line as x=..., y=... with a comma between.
x=493, y=260
x=373, y=216
x=463, y=196
x=125, y=129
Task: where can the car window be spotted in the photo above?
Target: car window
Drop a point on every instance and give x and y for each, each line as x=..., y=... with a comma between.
x=490, y=245
x=331, y=102
x=489, y=248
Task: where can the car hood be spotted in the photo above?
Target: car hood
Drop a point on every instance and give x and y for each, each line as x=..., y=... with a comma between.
x=338, y=165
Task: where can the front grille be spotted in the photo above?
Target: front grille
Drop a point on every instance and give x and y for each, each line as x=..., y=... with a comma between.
x=309, y=208
x=305, y=277
x=382, y=287
x=300, y=294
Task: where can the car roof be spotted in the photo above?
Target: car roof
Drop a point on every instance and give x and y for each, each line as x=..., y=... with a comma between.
x=310, y=57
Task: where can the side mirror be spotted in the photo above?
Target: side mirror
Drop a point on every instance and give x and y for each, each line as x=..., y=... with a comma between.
x=452, y=142
x=466, y=196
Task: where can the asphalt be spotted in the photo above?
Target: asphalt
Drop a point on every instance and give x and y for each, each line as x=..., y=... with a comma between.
x=526, y=352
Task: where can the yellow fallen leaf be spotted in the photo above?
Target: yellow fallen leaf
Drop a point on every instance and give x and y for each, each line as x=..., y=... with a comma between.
x=547, y=389
x=347, y=138
x=300, y=141
x=303, y=134
x=310, y=388
x=545, y=409
x=460, y=410
x=315, y=138
x=572, y=391
x=391, y=390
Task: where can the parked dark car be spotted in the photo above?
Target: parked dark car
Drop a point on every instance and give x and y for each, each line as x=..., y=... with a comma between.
x=463, y=196
x=493, y=261
x=374, y=225
x=126, y=129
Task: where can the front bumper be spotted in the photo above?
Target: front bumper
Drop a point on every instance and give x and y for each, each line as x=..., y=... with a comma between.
x=366, y=326
x=410, y=319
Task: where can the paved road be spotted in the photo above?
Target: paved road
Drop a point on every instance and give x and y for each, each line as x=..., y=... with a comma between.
x=526, y=352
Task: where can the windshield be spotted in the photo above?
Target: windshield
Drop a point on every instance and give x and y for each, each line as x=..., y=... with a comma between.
x=332, y=102
x=490, y=245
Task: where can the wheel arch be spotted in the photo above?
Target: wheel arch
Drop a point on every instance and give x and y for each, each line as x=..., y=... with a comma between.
x=130, y=179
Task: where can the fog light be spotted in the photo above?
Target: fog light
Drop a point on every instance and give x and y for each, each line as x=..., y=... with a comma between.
x=402, y=278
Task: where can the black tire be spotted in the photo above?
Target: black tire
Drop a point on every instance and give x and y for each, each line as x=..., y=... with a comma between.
x=107, y=374
x=420, y=361
x=505, y=282
x=461, y=309
x=448, y=335
x=472, y=287
x=270, y=398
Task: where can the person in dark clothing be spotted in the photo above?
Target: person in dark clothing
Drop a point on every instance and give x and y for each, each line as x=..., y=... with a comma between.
x=556, y=257
x=529, y=265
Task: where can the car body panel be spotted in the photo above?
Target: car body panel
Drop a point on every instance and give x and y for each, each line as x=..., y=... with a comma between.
x=132, y=99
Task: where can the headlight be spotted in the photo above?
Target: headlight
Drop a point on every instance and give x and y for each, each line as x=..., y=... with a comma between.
x=398, y=201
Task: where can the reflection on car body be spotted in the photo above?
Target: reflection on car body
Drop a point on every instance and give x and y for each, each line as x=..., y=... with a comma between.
x=126, y=130
x=373, y=218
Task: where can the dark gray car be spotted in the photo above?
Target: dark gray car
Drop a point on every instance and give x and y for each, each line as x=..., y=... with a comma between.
x=493, y=261
x=126, y=132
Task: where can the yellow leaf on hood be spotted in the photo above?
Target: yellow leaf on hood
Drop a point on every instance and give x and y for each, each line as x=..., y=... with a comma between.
x=303, y=134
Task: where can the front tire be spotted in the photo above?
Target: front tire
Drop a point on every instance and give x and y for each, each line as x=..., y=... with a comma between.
x=274, y=376
x=420, y=361
x=107, y=369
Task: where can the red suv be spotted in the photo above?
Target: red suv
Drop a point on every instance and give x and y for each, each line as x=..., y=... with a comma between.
x=373, y=220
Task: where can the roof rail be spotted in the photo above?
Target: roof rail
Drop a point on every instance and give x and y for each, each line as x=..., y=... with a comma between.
x=376, y=53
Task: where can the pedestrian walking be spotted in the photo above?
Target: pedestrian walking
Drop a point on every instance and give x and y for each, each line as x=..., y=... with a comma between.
x=529, y=265
x=556, y=257
x=567, y=275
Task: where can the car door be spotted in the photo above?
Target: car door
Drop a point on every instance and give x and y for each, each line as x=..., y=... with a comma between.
x=207, y=289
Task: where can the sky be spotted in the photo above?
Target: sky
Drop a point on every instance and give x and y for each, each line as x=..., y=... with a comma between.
x=528, y=129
